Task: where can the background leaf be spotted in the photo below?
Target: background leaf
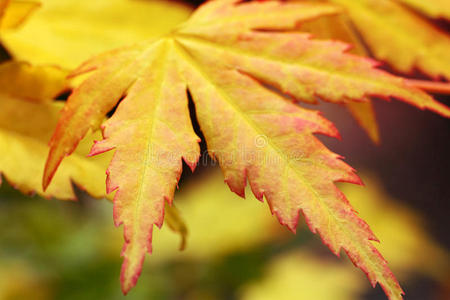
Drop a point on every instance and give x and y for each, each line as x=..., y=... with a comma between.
x=71, y=31
x=27, y=118
x=13, y=13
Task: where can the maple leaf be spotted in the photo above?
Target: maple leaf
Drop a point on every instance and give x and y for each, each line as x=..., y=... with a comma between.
x=93, y=27
x=426, y=51
x=27, y=118
x=338, y=27
x=386, y=27
x=227, y=55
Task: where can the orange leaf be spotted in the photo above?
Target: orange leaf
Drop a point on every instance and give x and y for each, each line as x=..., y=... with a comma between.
x=151, y=133
x=339, y=27
x=232, y=56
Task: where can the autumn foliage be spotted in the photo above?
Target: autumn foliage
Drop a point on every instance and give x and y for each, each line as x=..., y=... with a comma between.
x=247, y=66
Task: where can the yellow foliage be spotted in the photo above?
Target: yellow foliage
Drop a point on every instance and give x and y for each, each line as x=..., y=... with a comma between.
x=301, y=275
x=37, y=83
x=387, y=26
x=13, y=13
x=26, y=127
x=68, y=32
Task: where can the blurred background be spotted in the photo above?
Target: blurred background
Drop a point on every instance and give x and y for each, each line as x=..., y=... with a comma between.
x=52, y=249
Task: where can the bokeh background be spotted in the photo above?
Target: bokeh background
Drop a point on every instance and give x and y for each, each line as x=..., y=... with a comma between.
x=52, y=249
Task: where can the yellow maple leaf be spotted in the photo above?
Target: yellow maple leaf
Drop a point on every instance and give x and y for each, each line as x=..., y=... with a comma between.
x=70, y=31
x=27, y=118
x=387, y=28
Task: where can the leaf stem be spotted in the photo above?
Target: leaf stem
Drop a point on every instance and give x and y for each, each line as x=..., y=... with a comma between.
x=431, y=86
